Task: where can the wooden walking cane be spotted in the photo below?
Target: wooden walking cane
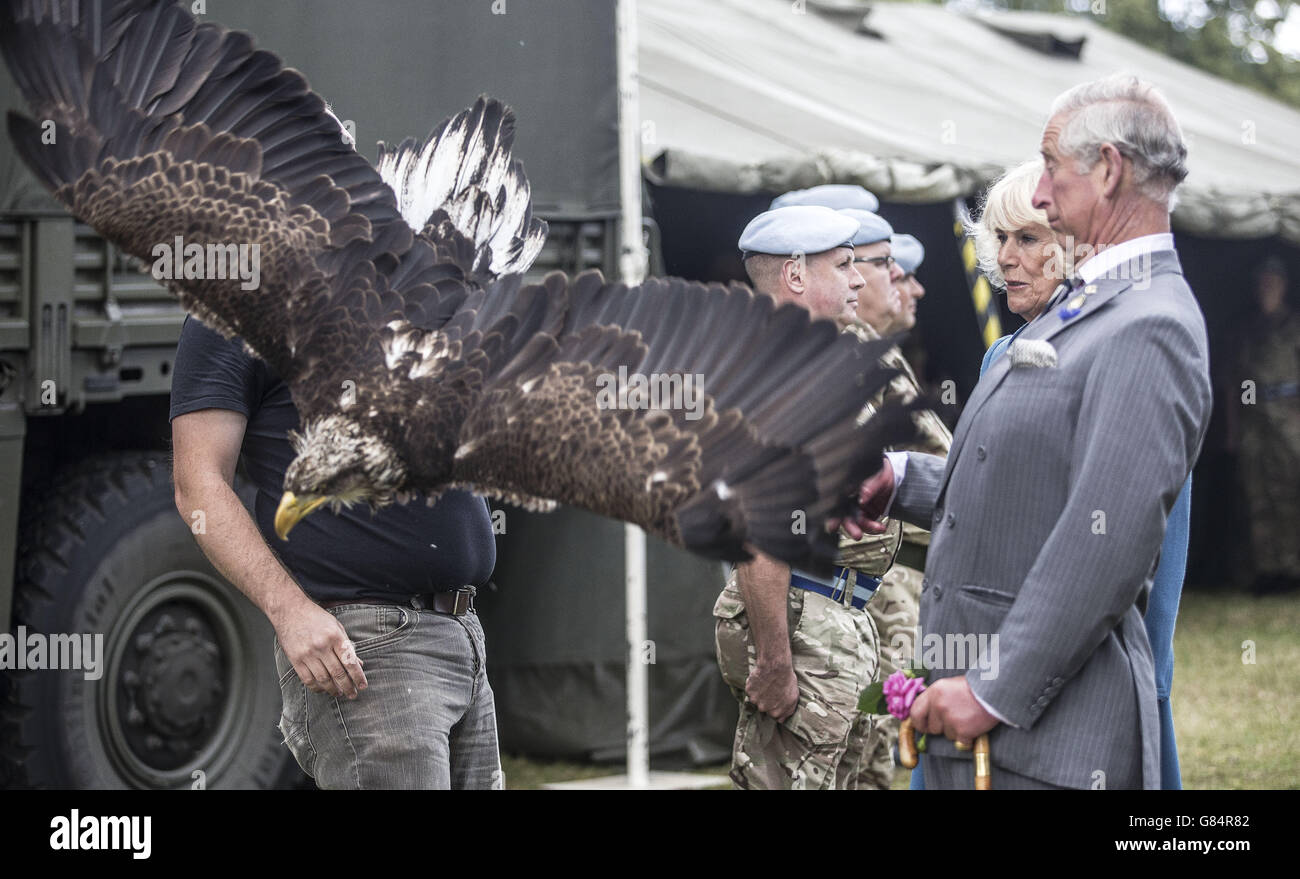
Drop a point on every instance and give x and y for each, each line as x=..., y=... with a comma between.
x=907, y=754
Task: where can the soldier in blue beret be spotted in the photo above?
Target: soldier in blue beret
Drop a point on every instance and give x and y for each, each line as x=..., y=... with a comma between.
x=879, y=302
x=797, y=650
x=908, y=253
x=804, y=254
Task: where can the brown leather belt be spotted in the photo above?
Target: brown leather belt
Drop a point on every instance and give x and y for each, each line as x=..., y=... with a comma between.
x=453, y=602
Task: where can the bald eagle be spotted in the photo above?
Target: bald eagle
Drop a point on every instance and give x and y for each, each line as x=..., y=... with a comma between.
x=392, y=303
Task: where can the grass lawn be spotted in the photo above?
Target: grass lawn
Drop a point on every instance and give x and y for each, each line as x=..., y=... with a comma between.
x=1236, y=721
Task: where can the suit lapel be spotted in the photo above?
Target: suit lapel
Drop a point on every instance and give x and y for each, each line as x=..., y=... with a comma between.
x=1106, y=288
x=1046, y=326
x=1098, y=293
x=984, y=389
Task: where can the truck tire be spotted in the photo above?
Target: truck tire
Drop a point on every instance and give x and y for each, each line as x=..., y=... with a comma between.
x=185, y=695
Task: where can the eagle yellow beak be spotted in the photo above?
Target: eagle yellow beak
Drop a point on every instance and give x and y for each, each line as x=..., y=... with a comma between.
x=291, y=511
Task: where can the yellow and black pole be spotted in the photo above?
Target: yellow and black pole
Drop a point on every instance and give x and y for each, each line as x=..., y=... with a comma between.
x=981, y=293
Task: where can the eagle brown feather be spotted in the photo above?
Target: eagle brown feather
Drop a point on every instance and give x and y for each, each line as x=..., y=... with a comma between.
x=413, y=366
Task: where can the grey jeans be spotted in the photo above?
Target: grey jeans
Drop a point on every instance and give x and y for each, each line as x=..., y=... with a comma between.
x=425, y=720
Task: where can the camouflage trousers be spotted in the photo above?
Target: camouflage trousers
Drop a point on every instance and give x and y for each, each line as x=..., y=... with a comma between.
x=823, y=744
x=894, y=609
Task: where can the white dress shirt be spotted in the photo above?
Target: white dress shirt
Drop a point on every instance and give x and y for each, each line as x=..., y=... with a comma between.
x=1126, y=251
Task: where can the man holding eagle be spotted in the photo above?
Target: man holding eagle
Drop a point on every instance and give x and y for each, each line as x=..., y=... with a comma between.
x=392, y=352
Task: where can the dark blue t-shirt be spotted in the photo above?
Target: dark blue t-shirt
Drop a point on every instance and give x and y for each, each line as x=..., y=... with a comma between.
x=400, y=551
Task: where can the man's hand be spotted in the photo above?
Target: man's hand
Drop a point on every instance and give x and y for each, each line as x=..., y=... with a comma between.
x=773, y=689
x=320, y=651
x=949, y=708
x=764, y=585
x=206, y=445
x=873, y=497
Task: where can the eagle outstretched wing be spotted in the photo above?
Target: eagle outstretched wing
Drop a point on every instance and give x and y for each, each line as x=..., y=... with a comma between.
x=390, y=299
x=708, y=415
x=164, y=127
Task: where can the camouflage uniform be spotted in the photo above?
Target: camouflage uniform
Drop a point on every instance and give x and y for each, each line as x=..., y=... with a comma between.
x=1270, y=442
x=820, y=746
x=896, y=604
x=835, y=652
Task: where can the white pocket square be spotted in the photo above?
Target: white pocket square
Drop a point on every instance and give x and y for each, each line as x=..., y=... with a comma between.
x=1032, y=353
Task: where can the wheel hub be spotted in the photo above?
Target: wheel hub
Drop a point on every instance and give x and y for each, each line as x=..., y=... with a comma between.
x=181, y=681
x=171, y=680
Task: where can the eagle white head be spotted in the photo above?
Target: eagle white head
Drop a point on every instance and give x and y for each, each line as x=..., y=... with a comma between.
x=341, y=463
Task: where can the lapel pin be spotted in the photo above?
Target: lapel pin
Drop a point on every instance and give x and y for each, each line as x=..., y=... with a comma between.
x=1075, y=305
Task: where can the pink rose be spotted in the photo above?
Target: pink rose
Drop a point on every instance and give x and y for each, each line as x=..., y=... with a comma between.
x=900, y=692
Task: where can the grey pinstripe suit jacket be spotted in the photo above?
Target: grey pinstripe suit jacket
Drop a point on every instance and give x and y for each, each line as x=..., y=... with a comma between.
x=1047, y=519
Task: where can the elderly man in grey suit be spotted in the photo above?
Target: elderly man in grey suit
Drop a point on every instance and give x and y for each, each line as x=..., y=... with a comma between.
x=1048, y=514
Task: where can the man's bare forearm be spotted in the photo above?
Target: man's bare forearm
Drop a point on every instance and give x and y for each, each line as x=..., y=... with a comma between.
x=235, y=547
x=764, y=584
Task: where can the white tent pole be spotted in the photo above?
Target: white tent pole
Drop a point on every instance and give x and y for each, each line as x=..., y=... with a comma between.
x=638, y=696
x=632, y=252
x=632, y=268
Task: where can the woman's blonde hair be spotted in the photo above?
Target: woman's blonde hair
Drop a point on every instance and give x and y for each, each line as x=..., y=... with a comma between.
x=1008, y=205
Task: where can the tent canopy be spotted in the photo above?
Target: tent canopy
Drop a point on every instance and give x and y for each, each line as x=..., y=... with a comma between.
x=922, y=104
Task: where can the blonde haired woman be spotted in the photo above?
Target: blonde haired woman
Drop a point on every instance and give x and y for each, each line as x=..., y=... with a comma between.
x=1017, y=251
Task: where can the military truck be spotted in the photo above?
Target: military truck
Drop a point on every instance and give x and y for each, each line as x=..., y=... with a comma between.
x=90, y=538
x=91, y=541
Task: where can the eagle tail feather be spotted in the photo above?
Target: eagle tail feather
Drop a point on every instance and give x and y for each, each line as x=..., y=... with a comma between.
x=461, y=181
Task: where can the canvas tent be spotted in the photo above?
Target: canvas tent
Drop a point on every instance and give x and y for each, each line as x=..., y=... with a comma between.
x=922, y=104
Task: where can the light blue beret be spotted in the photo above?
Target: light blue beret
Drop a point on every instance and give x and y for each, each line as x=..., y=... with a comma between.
x=797, y=229
x=836, y=196
x=871, y=227
x=907, y=252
